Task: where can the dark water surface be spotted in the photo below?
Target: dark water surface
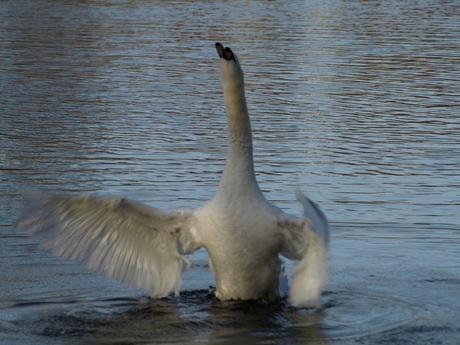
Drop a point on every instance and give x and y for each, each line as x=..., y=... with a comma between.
x=356, y=102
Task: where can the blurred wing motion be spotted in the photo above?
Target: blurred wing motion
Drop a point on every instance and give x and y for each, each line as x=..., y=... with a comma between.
x=136, y=244
x=306, y=239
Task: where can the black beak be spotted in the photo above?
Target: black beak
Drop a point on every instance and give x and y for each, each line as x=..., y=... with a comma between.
x=225, y=53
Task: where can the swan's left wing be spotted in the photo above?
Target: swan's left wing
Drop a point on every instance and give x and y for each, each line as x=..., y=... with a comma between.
x=134, y=243
x=306, y=239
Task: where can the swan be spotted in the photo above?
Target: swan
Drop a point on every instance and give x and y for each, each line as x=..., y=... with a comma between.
x=243, y=233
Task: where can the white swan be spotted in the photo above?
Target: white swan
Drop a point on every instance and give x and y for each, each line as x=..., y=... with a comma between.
x=242, y=232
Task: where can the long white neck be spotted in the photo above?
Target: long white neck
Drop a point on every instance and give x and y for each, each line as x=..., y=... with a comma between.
x=239, y=167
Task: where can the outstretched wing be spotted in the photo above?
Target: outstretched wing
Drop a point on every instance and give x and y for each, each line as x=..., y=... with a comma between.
x=306, y=239
x=136, y=244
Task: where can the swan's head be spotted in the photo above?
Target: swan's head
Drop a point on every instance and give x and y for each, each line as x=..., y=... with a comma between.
x=230, y=67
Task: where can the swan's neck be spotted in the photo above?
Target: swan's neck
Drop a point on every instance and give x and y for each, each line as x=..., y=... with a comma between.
x=238, y=173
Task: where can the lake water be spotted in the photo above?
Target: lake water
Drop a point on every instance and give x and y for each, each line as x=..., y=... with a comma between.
x=356, y=102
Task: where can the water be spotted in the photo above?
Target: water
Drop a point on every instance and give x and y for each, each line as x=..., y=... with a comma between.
x=356, y=102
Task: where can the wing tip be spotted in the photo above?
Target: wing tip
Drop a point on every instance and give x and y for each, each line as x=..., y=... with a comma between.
x=317, y=218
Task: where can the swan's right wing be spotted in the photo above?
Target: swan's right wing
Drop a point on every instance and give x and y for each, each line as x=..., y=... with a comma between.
x=306, y=239
x=134, y=243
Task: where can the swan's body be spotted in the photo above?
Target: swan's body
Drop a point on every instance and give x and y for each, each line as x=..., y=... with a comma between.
x=241, y=231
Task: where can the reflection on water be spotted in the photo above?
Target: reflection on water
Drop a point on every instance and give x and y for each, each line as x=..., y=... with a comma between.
x=356, y=102
x=197, y=317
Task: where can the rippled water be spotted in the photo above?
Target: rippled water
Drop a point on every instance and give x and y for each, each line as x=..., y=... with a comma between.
x=354, y=101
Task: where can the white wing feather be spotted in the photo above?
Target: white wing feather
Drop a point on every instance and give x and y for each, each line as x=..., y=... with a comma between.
x=306, y=239
x=136, y=244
